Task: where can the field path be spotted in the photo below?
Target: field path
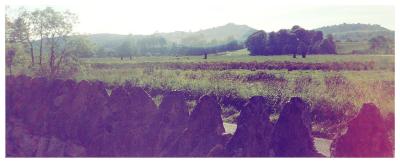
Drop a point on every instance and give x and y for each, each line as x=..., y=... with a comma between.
x=322, y=145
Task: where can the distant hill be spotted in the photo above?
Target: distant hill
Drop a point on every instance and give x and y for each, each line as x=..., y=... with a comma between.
x=356, y=32
x=220, y=33
x=206, y=37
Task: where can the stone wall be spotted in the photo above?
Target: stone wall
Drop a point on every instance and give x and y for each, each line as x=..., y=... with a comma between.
x=65, y=118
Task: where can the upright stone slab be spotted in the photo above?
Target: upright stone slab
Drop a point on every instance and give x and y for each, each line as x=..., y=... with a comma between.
x=171, y=120
x=20, y=96
x=366, y=136
x=127, y=123
x=91, y=119
x=204, y=130
x=292, y=132
x=253, y=134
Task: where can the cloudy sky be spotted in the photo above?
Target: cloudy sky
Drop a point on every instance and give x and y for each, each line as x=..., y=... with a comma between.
x=149, y=16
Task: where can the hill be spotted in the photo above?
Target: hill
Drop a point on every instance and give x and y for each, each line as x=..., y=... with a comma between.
x=217, y=34
x=356, y=32
x=207, y=37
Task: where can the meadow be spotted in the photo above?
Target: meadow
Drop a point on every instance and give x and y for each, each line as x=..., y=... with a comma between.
x=335, y=86
x=334, y=95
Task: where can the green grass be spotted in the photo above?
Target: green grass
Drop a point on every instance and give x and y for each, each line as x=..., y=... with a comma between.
x=242, y=56
x=380, y=62
x=234, y=82
x=348, y=47
x=337, y=90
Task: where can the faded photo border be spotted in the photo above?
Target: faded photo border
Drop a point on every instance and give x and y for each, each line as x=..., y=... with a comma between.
x=394, y=3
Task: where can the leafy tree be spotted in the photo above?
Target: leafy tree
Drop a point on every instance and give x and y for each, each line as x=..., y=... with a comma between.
x=40, y=24
x=125, y=49
x=328, y=46
x=318, y=36
x=272, y=44
x=379, y=43
x=297, y=40
x=256, y=43
x=58, y=26
x=23, y=30
x=80, y=46
x=301, y=49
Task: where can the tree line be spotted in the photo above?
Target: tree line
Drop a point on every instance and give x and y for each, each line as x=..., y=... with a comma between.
x=157, y=46
x=296, y=40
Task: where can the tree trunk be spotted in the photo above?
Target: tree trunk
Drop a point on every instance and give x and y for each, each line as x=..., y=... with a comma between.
x=40, y=50
x=130, y=57
x=122, y=58
x=51, y=60
x=294, y=55
x=32, y=57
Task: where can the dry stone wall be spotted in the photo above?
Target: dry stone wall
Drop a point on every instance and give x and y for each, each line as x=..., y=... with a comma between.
x=65, y=118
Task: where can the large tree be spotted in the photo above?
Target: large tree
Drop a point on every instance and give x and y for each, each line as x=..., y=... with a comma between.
x=23, y=30
x=80, y=46
x=40, y=25
x=328, y=46
x=126, y=49
x=380, y=44
x=297, y=40
x=58, y=27
x=256, y=43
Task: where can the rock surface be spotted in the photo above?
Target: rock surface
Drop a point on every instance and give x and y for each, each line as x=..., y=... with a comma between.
x=204, y=130
x=292, y=133
x=253, y=133
x=366, y=136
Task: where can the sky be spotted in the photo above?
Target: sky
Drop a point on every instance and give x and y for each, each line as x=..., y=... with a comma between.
x=151, y=16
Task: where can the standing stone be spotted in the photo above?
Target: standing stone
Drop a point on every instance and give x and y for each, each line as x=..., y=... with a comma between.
x=292, y=132
x=253, y=133
x=126, y=123
x=366, y=136
x=10, y=86
x=204, y=131
x=92, y=116
x=171, y=120
x=37, y=111
x=20, y=96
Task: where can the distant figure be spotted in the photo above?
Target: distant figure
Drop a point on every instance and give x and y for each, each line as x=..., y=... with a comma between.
x=205, y=55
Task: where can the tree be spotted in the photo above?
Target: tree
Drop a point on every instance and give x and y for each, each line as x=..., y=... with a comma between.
x=273, y=44
x=379, y=43
x=80, y=46
x=288, y=42
x=301, y=49
x=58, y=26
x=23, y=30
x=328, y=46
x=10, y=36
x=40, y=22
x=256, y=43
x=125, y=49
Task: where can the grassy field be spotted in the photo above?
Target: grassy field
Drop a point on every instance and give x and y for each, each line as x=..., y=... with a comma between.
x=334, y=94
x=348, y=47
x=337, y=90
x=242, y=56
